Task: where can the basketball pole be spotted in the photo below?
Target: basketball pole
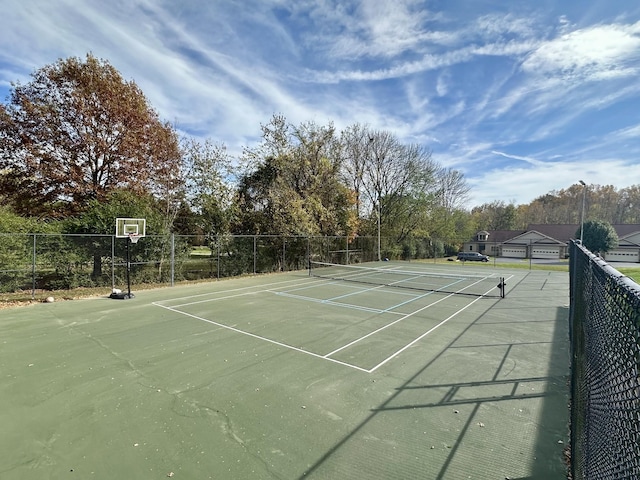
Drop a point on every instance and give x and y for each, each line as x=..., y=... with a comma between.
x=128, y=295
x=129, y=269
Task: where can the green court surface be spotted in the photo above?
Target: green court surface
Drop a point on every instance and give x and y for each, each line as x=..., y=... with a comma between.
x=287, y=376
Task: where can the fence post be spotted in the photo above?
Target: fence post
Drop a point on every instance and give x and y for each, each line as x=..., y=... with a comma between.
x=113, y=262
x=346, y=240
x=173, y=258
x=284, y=254
x=255, y=254
x=33, y=269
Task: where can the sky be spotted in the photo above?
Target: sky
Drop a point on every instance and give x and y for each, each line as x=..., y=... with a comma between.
x=523, y=97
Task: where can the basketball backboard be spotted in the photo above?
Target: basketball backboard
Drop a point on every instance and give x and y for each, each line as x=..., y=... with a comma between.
x=130, y=226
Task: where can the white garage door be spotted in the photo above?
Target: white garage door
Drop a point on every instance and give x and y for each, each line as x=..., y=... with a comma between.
x=621, y=256
x=514, y=252
x=546, y=252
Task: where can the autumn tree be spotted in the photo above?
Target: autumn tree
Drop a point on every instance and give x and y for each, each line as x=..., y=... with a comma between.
x=497, y=215
x=77, y=131
x=629, y=202
x=292, y=185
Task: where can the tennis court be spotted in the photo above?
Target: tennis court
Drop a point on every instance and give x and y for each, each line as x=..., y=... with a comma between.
x=291, y=376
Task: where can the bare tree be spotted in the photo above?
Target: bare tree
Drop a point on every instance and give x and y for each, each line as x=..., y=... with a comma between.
x=453, y=190
x=355, y=141
x=208, y=166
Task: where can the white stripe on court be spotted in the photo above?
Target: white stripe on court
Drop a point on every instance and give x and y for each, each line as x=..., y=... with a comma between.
x=404, y=317
x=413, y=342
x=337, y=304
x=265, y=339
x=254, y=292
x=328, y=355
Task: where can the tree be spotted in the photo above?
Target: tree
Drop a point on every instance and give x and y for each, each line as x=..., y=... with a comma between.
x=602, y=202
x=496, y=215
x=453, y=190
x=597, y=236
x=209, y=194
x=77, y=131
x=394, y=177
x=292, y=186
x=355, y=141
x=99, y=219
x=629, y=203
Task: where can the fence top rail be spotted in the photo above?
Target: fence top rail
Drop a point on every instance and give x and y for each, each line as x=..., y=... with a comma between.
x=611, y=271
x=230, y=235
x=5, y=234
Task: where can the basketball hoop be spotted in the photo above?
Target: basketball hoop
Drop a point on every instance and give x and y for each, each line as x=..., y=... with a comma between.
x=133, y=237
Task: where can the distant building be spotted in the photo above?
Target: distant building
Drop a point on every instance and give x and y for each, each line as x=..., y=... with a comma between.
x=550, y=241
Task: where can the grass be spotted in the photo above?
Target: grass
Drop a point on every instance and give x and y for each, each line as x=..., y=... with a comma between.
x=518, y=264
x=24, y=297
x=632, y=272
x=201, y=251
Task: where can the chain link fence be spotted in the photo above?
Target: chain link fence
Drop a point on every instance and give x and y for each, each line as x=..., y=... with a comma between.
x=605, y=346
x=43, y=262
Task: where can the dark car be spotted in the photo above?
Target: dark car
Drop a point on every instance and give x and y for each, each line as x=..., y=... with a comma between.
x=472, y=257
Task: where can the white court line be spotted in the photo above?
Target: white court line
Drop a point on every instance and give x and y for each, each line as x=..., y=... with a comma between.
x=326, y=356
x=390, y=357
x=389, y=325
x=337, y=304
x=265, y=339
x=359, y=291
x=413, y=342
x=232, y=290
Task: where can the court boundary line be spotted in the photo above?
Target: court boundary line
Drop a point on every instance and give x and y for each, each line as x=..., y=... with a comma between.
x=230, y=296
x=327, y=356
x=259, y=337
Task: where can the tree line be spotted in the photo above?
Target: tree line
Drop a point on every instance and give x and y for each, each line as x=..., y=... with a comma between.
x=602, y=203
x=80, y=145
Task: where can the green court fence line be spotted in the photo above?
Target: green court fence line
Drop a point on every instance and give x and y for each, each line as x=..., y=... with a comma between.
x=67, y=261
x=605, y=385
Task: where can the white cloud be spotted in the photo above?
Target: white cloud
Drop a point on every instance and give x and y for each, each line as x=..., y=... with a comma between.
x=523, y=185
x=632, y=132
x=529, y=160
x=598, y=52
x=442, y=86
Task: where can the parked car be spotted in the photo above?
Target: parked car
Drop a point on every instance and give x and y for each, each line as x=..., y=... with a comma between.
x=472, y=257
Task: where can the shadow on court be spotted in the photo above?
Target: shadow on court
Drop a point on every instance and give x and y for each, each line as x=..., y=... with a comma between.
x=509, y=419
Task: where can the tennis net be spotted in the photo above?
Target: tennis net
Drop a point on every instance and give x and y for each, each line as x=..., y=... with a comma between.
x=472, y=285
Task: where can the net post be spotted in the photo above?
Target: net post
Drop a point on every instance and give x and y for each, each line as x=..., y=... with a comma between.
x=309, y=254
x=502, y=287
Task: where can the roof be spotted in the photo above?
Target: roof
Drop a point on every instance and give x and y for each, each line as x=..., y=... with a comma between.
x=561, y=232
x=566, y=232
x=500, y=236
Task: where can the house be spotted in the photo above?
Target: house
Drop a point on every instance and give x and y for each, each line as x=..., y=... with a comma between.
x=550, y=241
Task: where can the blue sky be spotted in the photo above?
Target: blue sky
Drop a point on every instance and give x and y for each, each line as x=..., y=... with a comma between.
x=523, y=97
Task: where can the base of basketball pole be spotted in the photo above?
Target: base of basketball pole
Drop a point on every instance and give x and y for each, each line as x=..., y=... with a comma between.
x=121, y=295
